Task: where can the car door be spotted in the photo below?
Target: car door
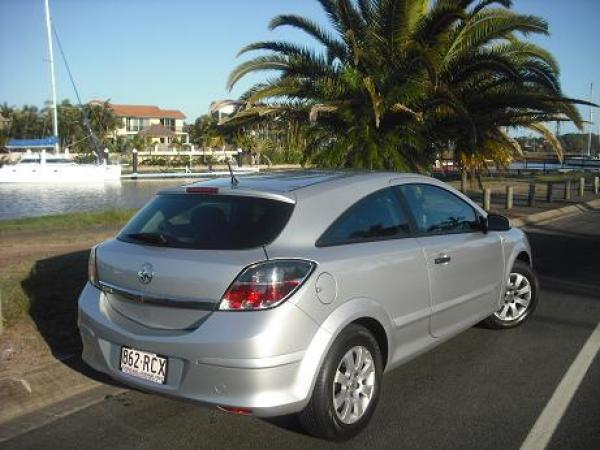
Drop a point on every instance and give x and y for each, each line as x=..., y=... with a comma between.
x=372, y=253
x=464, y=264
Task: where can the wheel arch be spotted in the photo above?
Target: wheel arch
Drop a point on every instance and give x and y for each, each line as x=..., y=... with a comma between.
x=362, y=311
x=525, y=257
x=520, y=252
x=379, y=333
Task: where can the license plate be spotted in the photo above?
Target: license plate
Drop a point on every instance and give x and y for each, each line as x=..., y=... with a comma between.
x=148, y=366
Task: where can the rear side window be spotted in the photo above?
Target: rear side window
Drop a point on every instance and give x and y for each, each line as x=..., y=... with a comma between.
x=208, y=222
x=437, y=211
x=375, y=217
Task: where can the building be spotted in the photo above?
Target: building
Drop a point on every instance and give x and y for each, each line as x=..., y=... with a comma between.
x=221, y=109
x=162, y=126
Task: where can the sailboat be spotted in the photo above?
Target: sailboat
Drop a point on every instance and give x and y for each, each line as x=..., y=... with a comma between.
x=43, y=167
x=587, y=160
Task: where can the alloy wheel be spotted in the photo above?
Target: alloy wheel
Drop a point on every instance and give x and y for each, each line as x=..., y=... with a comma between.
x=517, y=298
x=354, y=385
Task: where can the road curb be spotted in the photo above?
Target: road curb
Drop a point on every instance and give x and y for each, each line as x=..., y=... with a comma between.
x=56, y=410
x=42, y=387
x=557, y=213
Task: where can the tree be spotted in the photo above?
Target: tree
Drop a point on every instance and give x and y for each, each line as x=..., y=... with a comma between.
x=283, y=139
x=28, y=122
x=102, y=121
x=207, y=133
x=70, y=131
x=578, y=143
x=397, y=81
x=139, y=142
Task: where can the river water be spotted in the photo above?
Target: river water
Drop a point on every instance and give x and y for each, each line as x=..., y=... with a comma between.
x=29, y=200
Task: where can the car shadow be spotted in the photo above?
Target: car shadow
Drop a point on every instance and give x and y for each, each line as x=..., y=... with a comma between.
x=289, y=423
x=53, y=287
x=566, y=262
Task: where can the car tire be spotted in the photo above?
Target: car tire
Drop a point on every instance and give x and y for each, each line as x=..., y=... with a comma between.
x=520, y=299
x=347, y=387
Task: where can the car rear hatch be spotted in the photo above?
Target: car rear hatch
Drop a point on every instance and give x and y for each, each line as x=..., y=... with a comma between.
x=170, y=266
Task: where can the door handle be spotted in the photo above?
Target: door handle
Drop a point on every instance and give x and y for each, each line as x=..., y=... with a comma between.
x=442, y=259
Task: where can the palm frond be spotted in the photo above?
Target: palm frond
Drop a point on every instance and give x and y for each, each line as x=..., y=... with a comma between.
x=261, y=63
x=284, y=48
x=490, y=25
x=485, y=3
x=550, y=137
x=335, y=48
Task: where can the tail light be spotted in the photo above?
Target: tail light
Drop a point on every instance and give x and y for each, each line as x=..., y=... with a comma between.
x=92, y=268
x=266, y=285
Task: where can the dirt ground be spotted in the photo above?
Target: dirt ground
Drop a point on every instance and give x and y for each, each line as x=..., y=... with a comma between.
x=17, y=246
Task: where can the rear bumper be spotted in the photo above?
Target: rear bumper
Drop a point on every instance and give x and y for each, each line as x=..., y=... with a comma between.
x=260, y=361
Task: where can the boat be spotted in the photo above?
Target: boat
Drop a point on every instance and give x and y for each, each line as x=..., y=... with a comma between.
x=51, y=168
x=45, y=167
x=583, y=162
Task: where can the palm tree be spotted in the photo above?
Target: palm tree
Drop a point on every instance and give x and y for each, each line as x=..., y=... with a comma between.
x=396, y=81
x=206, y=132
x=102, y=121
x=496, y=82
x=70, y=128
x=139, y=142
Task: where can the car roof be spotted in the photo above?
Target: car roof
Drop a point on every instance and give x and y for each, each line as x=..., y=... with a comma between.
x=281, y=182
x=286, y=184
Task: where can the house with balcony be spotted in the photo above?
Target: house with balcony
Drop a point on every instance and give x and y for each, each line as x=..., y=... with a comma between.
x=161, y=126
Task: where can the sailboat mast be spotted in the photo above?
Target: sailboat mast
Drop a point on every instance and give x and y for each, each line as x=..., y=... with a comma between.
x=591, y=126
x=52, y=77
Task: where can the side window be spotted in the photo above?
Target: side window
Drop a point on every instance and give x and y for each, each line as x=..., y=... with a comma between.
x=437, y=211
x=377, y=216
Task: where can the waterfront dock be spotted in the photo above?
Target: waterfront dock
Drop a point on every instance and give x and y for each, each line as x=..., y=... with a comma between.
x=187, y=174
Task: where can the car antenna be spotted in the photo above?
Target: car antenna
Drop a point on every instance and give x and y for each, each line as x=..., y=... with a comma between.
x=234, y=180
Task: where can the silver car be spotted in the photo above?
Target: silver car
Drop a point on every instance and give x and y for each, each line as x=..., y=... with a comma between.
x=294, y=293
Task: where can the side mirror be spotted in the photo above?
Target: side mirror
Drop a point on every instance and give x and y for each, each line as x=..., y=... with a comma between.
x=496, y=222
x=483, y=224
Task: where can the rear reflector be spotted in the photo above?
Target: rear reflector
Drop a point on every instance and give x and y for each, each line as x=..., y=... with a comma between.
x=234, y=410
x=202, y=190
x=92, y=268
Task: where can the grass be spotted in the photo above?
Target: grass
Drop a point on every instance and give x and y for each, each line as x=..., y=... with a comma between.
x=46, y=290
x=32, y=281
x=69, y=221
x=15, y=302
x=557, y=178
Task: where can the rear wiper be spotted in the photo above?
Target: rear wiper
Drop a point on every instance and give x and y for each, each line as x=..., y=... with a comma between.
x=153, y=238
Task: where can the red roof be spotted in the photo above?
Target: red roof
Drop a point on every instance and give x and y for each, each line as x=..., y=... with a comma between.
x=149, y=111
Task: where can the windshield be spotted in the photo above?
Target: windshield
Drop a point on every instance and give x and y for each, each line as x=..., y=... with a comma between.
x=207, y=222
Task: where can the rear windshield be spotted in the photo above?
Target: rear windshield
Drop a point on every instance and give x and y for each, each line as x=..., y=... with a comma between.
x=197, y=221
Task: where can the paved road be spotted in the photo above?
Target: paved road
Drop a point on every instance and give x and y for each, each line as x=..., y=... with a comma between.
x=482, y=389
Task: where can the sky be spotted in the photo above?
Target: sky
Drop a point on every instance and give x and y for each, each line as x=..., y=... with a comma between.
x=177, y=54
